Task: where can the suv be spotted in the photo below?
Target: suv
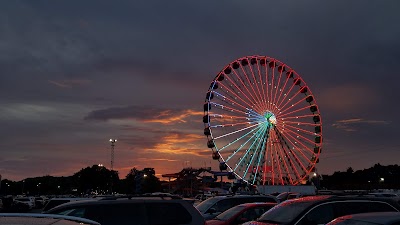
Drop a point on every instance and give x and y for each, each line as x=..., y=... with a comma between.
x=135, y=210
x=212, y=207
x=58, y=201
x=322, y=209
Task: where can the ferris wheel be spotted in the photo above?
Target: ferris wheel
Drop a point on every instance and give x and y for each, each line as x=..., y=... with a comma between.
x=262, y=122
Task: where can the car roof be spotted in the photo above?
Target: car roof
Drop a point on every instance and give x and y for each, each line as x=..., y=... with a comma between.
x=376, y=217
x=114, y=201
x=255, y=204
x=42, y=219
x=329, y=198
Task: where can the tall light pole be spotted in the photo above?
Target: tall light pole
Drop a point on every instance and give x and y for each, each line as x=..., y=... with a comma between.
x=112, y=141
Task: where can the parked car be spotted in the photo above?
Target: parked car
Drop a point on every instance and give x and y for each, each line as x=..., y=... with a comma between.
x=135, y=210
x=241, y=213
x=58, y=201
x=373, y=218
x=214, y=206
x=42, y=219
x=322, y=209
x=25, y=200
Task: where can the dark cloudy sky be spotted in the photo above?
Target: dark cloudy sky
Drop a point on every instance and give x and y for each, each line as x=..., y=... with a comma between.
x=75, y=73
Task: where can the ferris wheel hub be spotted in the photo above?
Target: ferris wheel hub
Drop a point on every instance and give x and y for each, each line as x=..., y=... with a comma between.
x=271, y=118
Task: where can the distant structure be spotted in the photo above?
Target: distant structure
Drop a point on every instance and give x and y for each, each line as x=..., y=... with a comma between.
x=262, y=122
x=112, y=141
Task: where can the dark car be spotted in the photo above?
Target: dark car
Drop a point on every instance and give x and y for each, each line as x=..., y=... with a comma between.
x=241, y=213
x=322, y=209
x=135, y=210
x=214, y=206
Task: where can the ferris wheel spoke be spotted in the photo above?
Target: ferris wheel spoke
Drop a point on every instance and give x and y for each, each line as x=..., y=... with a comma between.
x=263, y=96
x=248, y=150
x=260, y=156
x=290, y=99
x=254, y=154
x=288, y=153
x=296, y=143
x=284, y=139
x=248, y=80
x=264, y=63
x=278, y=165
x=249, y=101
x=297, y=117
x=286, y=95
x=283, y=158
x=256, y=82
x=293, y=105
x=288, y=75
x=244, y=144
x=229, y=99
x=281, y=68
x=300, y=129
x=237, y=131
x=301, y=123
x=301, y=137
x=254, y=101
x=286, y=158
x=272, y=65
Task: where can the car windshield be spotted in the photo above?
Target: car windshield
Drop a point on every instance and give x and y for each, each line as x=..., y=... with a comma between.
x=229, y=213
x=206, y=204
x=23, y=199
x=285, y=212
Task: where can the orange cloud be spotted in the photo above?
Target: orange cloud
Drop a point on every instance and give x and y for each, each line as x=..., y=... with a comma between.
x=349, y=124
x=181, y=144
x=168, y=117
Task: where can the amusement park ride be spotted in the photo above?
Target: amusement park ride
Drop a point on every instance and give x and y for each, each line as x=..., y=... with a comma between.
x=262, y=123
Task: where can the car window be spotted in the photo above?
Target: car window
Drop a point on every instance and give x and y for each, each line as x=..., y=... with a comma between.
x=126, y=214
x=347, y=208
x=53, y=203
x=78, y=212
x=229, y=213
x=225, y=204
x=321, y=214
x=285, y=212
x=167, y=213
x=121, y=214
x=206, y=204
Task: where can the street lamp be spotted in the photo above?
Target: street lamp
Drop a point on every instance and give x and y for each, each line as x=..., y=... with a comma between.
x=38, y=185
x=112, y=141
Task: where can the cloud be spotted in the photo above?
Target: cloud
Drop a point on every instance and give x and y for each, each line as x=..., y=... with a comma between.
x=143, y=114
x=348, y=98
x=181, y=143
x=352, y=125
x=69, y=83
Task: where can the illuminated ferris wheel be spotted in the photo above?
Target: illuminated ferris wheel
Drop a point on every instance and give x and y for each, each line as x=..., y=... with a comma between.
x=262, y=122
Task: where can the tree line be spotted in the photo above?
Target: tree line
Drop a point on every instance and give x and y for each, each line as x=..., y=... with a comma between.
x=92, y=180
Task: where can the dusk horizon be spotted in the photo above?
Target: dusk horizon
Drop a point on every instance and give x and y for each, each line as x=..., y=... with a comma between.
x=73, y=75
